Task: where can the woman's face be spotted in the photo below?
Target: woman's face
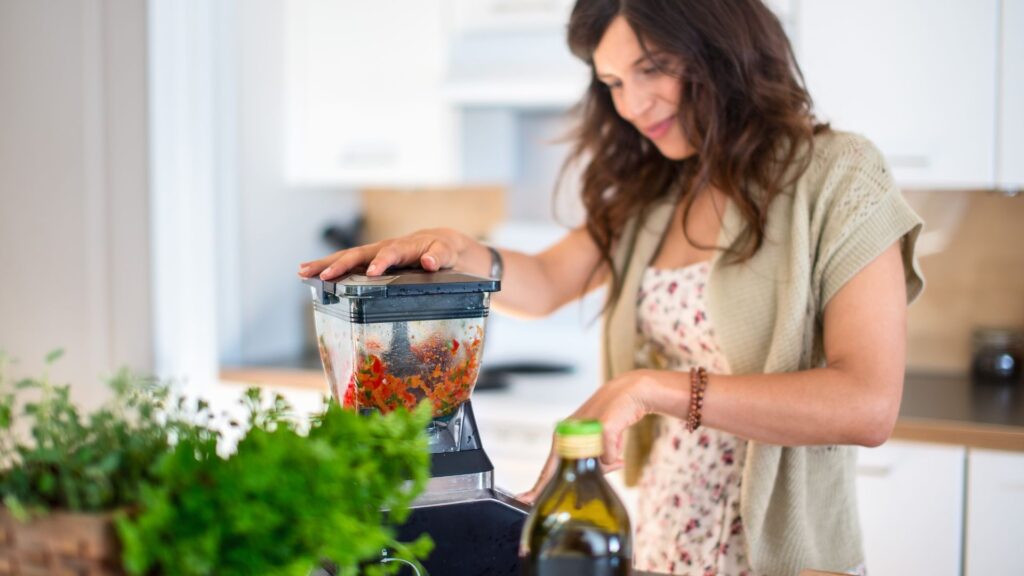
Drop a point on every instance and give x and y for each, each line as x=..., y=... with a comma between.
x=643, y=93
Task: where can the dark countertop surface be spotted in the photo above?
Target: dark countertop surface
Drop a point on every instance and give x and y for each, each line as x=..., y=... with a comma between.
x=952, y=409
x=942, y=397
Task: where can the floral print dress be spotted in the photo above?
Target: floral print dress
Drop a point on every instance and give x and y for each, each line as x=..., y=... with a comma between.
x=689, y=493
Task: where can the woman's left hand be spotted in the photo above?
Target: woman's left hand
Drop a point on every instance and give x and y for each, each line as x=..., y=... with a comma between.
x=618, y=404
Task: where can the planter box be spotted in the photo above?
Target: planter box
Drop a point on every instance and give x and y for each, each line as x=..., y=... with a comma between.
x=61, y=544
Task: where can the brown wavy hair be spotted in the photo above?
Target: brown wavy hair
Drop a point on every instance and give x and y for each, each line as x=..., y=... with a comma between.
x=744, y=108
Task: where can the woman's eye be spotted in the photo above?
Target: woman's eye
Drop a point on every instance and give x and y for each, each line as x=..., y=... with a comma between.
x=650, y=70
x=613, y=85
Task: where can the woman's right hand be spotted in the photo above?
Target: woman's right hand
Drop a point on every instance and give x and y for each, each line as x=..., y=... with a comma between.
x=432, y=250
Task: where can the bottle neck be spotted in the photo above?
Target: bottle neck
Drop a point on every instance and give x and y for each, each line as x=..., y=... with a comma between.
x=576, y=467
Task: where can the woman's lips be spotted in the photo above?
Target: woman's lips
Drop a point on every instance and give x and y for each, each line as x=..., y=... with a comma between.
x=655, y=131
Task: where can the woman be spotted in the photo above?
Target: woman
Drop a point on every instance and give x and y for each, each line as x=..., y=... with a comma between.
x=758, y=265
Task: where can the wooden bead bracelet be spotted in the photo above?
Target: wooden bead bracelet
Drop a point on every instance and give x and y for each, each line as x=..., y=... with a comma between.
x=698, y=383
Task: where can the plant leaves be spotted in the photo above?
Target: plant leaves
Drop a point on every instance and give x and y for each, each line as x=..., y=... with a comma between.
x=290, y=494
x=54, y=355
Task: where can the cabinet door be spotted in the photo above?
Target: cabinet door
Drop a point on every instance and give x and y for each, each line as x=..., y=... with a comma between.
x=1011, y=111
x=508, y=15
x=995, y=513
x=911, y=508
x=917, y=77
x=363, y=93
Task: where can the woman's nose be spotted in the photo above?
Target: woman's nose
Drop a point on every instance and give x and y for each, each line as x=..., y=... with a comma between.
x=637, y=102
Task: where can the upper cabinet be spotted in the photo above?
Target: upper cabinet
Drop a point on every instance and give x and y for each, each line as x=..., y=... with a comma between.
x=512, y=55
x=1010, y=167
x=363, y=93
x=381, y=93
x=505, y=15
x=917, y=77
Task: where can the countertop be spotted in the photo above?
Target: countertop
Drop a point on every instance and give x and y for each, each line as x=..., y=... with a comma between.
x=935, y=408
x=952, y=410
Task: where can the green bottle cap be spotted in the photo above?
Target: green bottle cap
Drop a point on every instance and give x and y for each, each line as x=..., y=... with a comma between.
x=579, y=428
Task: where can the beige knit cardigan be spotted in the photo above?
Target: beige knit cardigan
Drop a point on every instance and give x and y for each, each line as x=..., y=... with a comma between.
x=798, y=503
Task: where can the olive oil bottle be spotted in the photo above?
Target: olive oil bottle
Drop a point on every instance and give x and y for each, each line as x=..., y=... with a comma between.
x=578, y=524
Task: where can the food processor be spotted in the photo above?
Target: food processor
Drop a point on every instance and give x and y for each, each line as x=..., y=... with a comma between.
x=394, y=340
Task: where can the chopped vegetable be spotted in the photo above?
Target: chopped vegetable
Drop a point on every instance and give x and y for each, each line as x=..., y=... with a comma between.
x=446, y=378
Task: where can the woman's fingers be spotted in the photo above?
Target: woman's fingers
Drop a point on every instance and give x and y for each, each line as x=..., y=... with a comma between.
x=610, y=462
x=427, y=249
x=611, y=458
x=338, y=263
x=430, y=249
x=531, y=495
x=609, y=468
x=396, y=253
x=346, y=260
x=437, y=256
x=315, y=267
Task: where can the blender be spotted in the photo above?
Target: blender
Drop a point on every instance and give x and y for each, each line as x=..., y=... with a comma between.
x=392, y=341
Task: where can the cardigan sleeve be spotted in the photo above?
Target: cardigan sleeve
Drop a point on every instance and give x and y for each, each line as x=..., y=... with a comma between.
x=862, y=213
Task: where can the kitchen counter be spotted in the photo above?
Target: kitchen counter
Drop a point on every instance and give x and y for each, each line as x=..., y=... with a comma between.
x=952, y=410
x=935, y=408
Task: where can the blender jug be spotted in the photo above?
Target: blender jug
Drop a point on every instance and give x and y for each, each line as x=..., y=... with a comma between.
x=395, y=340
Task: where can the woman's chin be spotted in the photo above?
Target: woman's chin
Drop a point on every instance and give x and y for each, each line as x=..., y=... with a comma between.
x=675, y=151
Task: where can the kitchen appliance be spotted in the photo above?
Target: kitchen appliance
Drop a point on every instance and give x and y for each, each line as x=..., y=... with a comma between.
x=997, y=356
x=394, y=340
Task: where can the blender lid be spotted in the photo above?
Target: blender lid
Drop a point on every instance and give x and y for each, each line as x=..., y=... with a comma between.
x=404, y=282
x=404, y=295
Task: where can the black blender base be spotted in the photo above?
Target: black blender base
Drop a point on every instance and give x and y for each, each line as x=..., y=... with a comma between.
x=475, y=538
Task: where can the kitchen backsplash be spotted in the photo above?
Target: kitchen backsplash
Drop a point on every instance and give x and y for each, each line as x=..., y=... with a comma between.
x=974, y=274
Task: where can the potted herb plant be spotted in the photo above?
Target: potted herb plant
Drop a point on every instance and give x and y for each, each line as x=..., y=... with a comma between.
x=141, y=486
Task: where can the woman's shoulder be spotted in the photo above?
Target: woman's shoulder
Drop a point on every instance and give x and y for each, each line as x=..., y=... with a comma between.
x=838, y=149
x=843, y=161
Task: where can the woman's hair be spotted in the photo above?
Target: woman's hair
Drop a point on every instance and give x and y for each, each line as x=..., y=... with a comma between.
x=743, y=108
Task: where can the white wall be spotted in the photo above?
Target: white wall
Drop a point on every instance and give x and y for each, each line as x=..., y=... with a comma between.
x=279, y=226
x=74, y=248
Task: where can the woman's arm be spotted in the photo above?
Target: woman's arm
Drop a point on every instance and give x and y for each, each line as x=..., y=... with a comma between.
x=854, y=399
x=532, y=286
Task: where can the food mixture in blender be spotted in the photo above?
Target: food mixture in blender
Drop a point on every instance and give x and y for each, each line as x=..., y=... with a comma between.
x=444, y=371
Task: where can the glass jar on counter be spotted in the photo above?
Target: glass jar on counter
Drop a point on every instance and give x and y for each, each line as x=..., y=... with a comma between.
x=998, y=355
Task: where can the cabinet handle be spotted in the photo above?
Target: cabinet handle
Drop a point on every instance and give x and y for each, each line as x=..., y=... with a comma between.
x=505, y=7
x=908, y=160
x=874, y=471
x=369, y=156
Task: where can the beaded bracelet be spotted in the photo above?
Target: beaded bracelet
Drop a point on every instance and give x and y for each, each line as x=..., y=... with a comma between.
x=698, y=383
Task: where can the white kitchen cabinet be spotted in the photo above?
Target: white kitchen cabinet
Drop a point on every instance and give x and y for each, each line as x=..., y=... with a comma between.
x=1011, y=102
x=917, y=77
x=995, y=513
x=911, y=508
x=508, y=15
x=363, y=93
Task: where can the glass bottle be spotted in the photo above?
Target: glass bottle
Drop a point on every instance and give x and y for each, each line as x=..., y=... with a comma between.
x=578, y=524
